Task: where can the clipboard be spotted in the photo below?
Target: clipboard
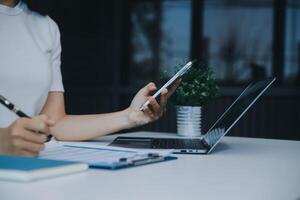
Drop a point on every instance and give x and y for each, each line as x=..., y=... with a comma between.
x=103, y=157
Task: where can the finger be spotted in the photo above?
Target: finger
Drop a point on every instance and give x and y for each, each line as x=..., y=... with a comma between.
x=151, y=114
x=163, y=98
x=148, y=112
x=36, y=125
x=33, y=136
x=154, y=105
x=147, y=89
x=28, y=146
x=49, y=122
x=173, y=87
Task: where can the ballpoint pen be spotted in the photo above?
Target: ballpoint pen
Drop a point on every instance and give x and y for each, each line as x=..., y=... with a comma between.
x=141, y=159
x=16, y=110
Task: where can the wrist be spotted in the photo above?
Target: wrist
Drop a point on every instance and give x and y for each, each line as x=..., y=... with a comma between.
x=130, y=118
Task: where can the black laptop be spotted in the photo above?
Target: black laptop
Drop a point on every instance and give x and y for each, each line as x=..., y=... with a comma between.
x=209, y=140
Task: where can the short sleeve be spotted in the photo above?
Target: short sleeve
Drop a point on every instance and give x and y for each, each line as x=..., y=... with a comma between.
x=57, y=84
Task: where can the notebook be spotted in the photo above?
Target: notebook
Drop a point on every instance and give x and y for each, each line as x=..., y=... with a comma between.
x=105, y=157
x=16, y=168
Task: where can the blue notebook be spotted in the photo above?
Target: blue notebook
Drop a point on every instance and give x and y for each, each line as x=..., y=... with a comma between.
x=23, y=169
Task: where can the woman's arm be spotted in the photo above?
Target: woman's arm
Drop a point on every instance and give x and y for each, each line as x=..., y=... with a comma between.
x=84, y=127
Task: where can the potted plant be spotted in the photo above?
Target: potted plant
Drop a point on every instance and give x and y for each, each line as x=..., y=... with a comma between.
x=198, y=86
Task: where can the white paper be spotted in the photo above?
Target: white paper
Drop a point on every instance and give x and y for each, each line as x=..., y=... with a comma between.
x=91, y=153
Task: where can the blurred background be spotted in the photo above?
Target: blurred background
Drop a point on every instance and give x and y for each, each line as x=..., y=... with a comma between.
x=113, y=48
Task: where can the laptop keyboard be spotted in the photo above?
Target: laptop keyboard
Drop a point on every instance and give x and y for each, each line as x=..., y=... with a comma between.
x=171, y=143
x=213, y=136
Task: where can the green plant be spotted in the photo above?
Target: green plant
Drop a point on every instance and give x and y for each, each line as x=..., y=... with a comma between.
x=198, y=86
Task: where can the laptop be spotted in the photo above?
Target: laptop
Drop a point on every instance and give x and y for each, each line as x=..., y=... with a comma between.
x=206, y=143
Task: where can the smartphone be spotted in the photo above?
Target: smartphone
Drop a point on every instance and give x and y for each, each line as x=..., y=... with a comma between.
x=181, y=72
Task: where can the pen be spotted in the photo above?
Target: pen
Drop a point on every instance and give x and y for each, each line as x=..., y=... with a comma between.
x=16, y=110
x=142, y=159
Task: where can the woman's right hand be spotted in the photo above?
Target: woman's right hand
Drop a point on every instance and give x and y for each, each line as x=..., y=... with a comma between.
x=25, y=136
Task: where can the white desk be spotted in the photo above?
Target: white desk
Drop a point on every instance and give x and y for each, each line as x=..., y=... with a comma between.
x=239, y=168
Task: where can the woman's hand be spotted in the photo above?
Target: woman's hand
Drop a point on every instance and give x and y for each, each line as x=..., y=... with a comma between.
x=154, y=110
x=25, y=136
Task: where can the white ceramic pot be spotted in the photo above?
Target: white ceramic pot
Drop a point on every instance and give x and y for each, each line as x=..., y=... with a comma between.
x=189, y=121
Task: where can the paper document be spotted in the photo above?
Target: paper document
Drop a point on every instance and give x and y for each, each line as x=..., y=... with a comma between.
x=99, y=155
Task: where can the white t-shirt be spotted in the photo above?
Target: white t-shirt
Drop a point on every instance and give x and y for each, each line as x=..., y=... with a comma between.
x=29, y=60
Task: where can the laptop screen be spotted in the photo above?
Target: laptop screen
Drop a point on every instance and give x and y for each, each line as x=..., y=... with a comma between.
x=236, y=110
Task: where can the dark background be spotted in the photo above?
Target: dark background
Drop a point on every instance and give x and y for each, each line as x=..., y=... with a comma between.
x=113, y=48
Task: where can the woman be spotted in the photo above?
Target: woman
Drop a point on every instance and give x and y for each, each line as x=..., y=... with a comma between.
x=30, y=77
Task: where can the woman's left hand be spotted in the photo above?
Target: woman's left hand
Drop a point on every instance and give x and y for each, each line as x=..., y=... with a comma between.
x=154, y=110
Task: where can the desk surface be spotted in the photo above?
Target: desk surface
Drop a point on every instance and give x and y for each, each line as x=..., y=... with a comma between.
x=239, y=168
